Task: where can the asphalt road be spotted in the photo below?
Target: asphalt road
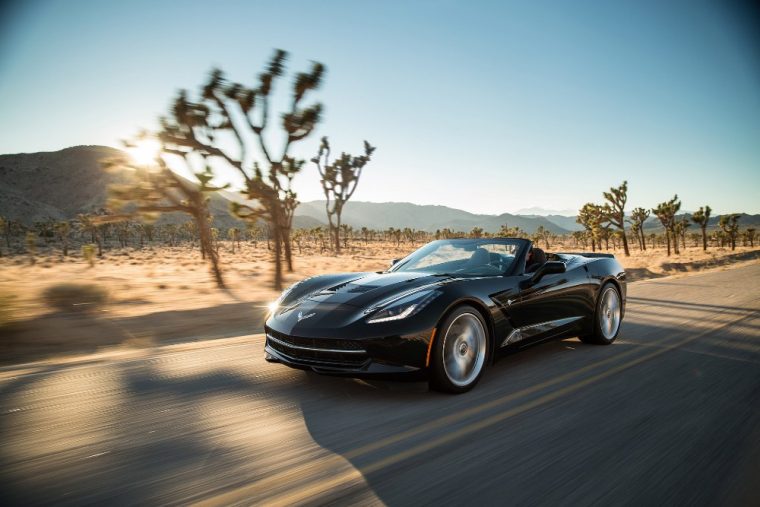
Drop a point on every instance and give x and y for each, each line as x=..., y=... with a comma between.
x=668, y=415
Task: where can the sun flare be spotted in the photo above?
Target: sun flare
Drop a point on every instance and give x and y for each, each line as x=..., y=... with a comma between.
x=145, y=151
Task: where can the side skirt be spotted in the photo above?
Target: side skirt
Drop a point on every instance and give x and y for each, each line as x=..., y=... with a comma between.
x=527, y=332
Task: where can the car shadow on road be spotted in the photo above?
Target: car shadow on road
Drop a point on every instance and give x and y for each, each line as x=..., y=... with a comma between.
x=363, y=422
x=159, y=444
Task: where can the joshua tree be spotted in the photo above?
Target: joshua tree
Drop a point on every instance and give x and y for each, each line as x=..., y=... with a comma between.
x=590, y=217
x=638, y=217
x=730, y=226
x=666, y=212
x=751, y=236
x=339, y=181
x=701, y=217
x=156, y=189
x=542, y=234
x=233, y=234
x=229, y=121
x=476, y=232
x=346, y=230
x=614, y=210
x=89, y=225
x=681, y=225
x=506, y=231
x=62, y=230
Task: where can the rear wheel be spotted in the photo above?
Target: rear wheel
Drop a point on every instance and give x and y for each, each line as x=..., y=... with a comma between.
x=607, y=317
x=459, y=352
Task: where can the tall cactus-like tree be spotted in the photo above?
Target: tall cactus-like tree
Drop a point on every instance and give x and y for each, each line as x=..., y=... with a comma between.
x=638, y=217
x=339, y=181
x=701, y=217
x=62, y=230
x=476, y=232
x=614, y=210
x=229, y=122
x=154, y=189
x=666, y=213
x=750, y=234
x=682, y=225
x=730, y=226
x=590, y=216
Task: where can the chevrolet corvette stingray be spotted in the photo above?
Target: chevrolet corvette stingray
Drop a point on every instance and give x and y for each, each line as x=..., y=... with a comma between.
x=446, y=310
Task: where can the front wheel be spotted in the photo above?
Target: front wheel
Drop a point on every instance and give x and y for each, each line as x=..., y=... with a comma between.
x=607, y=317
x=459, y=351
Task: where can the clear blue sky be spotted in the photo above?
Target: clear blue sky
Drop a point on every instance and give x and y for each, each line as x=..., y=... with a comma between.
x=483, y=106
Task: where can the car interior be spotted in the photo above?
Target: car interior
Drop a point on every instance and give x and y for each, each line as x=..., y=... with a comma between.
x=535, y=259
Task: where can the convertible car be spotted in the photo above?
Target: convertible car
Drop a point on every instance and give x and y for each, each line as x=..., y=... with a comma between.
x=446, y=310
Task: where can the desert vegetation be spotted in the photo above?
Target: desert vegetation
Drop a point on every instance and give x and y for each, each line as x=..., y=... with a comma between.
x=129, y=270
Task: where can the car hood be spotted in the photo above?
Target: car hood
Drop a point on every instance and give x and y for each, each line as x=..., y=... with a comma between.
x=369, y=289
x=343, y=303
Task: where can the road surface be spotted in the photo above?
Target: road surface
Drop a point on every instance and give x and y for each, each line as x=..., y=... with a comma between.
x=668, y=415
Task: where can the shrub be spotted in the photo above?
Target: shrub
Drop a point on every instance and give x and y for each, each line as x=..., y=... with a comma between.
x=74, y=297
x=88, y=252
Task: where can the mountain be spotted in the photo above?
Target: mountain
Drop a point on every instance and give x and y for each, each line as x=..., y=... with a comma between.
x=377, y=215
x=59, y=185
x=543, y=212
x=568, y=223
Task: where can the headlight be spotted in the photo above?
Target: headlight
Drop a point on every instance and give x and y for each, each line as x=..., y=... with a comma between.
x=274, y=305
x=403, y=307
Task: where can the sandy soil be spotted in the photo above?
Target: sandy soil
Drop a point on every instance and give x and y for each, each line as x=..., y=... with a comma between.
x=160, y=295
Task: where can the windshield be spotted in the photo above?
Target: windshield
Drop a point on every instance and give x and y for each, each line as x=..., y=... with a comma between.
x=463, y=257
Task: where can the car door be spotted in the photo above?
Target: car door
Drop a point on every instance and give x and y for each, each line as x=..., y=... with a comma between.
x=556, y=304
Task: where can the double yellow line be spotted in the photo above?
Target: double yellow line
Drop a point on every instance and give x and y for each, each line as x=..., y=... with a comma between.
x=317, y=486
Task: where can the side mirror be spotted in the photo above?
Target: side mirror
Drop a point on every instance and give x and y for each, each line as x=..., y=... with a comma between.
x=547, y=268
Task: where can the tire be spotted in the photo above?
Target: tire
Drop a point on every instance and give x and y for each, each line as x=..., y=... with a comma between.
x=460, y=351
x=608, y=316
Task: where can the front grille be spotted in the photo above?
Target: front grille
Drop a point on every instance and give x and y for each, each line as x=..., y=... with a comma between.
x=318, y=351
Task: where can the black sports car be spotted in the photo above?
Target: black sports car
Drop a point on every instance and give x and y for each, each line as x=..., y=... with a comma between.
x=446, y=310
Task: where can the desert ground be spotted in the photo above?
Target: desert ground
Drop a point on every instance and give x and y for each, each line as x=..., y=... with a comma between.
x=159, y=295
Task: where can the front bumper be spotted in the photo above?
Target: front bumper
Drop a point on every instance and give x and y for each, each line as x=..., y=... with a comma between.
x=391, y=356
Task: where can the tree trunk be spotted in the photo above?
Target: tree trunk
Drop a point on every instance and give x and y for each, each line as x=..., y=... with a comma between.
x=667, y=241
x=336, y=234
x=277, y=282
x=204, y=231
x=675, y=242
x=625, y=245
x=288, y=249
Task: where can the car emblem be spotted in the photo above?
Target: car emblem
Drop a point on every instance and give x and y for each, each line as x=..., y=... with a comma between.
x=301, y=316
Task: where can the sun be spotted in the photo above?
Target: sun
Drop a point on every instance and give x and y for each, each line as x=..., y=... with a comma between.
x=145, y=151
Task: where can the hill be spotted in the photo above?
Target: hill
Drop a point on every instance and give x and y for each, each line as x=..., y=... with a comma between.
x=59, y=185
x=425, y=217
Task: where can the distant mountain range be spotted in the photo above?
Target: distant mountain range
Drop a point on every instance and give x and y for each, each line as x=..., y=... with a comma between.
x=59, y=185
x=377, y=215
